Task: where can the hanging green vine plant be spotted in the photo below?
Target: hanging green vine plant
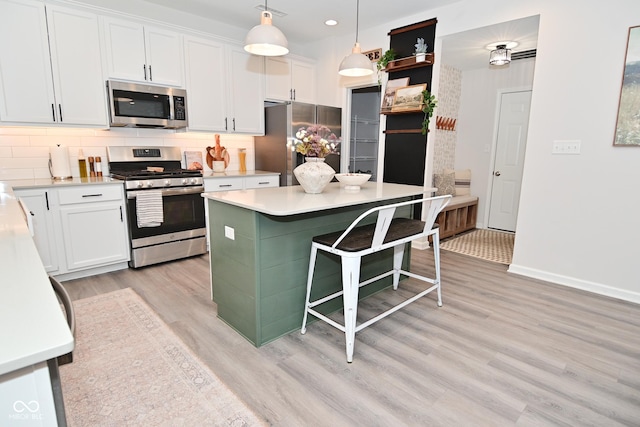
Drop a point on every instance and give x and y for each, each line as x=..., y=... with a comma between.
x=429, y=104
x=387, y=57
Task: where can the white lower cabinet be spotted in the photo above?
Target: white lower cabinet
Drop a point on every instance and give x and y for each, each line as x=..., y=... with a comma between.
x=81, y=230
x=93, y=225
x=42, y=222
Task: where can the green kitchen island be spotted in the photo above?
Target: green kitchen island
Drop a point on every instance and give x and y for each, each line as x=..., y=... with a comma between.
x=260, y=242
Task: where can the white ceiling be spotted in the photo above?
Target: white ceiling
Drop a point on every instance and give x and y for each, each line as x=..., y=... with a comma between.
x=304, y=22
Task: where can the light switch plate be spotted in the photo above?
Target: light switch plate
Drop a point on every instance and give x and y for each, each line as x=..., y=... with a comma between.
x=566, y=147
x=229, y=233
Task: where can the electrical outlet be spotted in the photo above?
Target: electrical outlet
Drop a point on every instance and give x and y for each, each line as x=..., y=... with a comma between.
x=229, y=233
x=566, y=147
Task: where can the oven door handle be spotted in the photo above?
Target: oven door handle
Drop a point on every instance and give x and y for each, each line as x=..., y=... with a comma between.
x=169, y=192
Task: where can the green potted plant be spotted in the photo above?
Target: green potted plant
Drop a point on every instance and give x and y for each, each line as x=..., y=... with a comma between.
x=387, y=57
x=429, y=103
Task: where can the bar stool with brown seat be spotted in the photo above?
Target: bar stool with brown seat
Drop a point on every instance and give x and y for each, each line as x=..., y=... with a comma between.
x=358, y=241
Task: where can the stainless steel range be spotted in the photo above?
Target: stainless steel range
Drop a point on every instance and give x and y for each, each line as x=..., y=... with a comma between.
x=164, y=204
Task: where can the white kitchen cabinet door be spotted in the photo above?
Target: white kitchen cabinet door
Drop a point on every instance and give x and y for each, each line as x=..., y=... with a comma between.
x=124, y=46
x=303, y=82
x=206, y=84
x=164, y=56
x=26, y=87
x=289, y=80
x=50, y=66
x=278, y=78
x=95, y=234
x=39, y=204
x=76, y=63
x=142, y=53
x=246, y=92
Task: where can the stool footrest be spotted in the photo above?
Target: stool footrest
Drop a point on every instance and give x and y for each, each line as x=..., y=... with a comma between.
x=382, y=315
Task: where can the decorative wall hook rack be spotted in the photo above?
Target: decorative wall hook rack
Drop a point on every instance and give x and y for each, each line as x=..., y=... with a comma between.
x=446, y=123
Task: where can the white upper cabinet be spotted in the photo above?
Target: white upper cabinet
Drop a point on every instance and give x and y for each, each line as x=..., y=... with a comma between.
x=142, y=53
x=50, y=65
x=290, y=80
x=224, y=88
x=246, y=88
x=206, y=84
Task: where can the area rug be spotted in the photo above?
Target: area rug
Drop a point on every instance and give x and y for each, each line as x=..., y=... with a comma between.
x=496, y=246
x=130, y=369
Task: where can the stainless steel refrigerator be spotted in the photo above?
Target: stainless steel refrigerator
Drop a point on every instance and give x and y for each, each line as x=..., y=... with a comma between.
x=282, y=121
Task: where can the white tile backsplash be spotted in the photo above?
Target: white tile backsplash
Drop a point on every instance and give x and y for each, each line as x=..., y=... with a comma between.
x=24, y=152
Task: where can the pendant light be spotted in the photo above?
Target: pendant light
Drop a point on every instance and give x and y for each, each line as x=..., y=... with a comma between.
x=356, y=64
x=500, y=55
x=265, y=39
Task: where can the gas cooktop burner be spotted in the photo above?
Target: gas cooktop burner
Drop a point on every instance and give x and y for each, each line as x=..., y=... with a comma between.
x=146, y=174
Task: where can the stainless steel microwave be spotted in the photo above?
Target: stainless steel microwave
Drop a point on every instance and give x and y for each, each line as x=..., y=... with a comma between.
x=143, y=105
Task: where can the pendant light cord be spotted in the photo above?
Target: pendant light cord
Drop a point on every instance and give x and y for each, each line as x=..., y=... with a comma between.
x=357, y=17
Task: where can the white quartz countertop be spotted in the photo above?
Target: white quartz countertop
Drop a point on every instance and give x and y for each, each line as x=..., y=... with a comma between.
x=32, y=325
x=292, y=200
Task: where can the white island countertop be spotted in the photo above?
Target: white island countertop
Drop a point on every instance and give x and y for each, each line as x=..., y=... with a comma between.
x=32, y=325
x=292, y=200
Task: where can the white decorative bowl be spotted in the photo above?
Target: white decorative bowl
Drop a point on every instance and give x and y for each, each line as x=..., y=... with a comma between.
x=353, y=181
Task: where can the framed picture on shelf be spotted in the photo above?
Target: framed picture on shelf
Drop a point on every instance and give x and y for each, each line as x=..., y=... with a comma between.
x=408, y=99
x=390, y=93
x=628, y=123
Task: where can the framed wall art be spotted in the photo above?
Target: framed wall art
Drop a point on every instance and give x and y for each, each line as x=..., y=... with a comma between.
x=628, y=123
x=390, y=93
x=408, y=99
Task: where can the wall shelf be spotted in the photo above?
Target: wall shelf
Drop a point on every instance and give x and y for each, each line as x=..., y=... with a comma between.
x=395, y=131
x=409, y=63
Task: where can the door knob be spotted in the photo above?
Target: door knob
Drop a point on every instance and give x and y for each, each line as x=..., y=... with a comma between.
x=497, y=173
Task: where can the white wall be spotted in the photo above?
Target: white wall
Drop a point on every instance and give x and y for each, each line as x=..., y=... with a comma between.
x=477, y=120
x=577, y=221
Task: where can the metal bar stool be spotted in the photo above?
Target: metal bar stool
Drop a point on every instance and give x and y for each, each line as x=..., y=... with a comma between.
x=358, y=241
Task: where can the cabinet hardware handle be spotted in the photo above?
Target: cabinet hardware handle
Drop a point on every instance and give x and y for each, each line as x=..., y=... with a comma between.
x=224, y=185
x=263, y=182
x=121, y=217
x=92, y=195
x=291, y=94
x=60, y=109
x=46, y=198
x=53, y=112
x=150, y=75
x=144, y=67
x=294, y=94
x=225, y=124
x=234, y=124
x=497, y=173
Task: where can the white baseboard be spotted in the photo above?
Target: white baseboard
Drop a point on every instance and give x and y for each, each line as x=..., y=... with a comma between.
x=572, y=282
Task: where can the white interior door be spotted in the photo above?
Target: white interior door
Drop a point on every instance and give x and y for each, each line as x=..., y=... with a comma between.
x=513, y=123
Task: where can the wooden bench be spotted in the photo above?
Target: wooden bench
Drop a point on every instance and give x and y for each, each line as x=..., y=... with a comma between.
x=458, y=216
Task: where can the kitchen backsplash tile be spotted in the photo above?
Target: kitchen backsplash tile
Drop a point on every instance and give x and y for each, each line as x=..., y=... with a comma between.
x=24, y=152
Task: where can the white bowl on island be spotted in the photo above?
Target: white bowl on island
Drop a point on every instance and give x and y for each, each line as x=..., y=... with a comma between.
x=352, y=181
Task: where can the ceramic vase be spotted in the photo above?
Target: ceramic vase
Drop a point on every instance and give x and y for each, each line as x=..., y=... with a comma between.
x=314, y=174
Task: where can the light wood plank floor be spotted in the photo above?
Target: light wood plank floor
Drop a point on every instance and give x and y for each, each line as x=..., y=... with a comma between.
x=503, y=351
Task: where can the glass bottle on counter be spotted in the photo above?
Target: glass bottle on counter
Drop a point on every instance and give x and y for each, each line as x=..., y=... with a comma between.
x=82, y=164
x=92, y=170
x=98, y=167
x=242, y=156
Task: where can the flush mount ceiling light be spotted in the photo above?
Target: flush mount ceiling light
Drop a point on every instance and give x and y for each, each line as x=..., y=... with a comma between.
x=265, y=39
x=500, y=55
x=356, y=64
x=330, y=22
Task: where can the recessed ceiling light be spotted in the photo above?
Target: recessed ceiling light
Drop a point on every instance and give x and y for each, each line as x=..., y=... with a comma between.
x=508, y=44
x=331, y=22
